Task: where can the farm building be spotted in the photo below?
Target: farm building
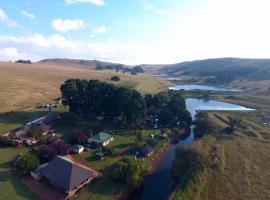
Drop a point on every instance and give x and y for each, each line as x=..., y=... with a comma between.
x=101, y=139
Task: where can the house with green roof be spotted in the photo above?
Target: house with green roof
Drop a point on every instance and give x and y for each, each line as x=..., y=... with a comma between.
x=76, y=148
x=101, y=139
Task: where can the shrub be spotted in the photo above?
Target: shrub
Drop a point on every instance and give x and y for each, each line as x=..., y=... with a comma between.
x=115, y=78
x=27, y=162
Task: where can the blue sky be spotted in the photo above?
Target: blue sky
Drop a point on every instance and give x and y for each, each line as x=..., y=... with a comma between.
x=134, y=31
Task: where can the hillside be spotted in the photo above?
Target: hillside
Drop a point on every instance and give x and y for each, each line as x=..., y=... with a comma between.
x=249, y=69
x=80, y=63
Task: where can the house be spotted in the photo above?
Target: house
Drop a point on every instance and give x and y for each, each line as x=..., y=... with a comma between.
x=65, y=174
x=17, y=134
x=43, y=128
x=77, y=148
x=101, y=139
x=147, y=150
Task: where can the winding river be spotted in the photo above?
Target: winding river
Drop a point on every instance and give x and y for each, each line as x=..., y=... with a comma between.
x=158, y=184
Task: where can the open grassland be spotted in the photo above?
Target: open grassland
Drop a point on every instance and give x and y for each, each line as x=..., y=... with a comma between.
x=241, y=161
x=24, y=85
x=11, y=187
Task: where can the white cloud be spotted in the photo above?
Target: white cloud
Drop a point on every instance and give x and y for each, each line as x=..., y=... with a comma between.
x=6, y=20
x=67, y=24
x=27, y=14
x=12, y=53
x=98, y=30
x=95, y=2
x=147, y=6
x=59, y=46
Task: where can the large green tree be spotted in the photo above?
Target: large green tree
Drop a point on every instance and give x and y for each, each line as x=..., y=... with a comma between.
x=128, y=170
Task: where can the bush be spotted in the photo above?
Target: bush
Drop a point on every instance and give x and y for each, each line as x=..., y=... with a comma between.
x=115, y=78
x=128, y=170
x=27, y=162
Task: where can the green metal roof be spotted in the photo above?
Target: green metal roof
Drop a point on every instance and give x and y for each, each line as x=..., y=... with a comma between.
x=77, y=146
x=100, y=137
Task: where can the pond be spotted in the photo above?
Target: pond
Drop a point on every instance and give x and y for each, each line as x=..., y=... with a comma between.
x=173, y=79
x=202, y=87
x=158, y=184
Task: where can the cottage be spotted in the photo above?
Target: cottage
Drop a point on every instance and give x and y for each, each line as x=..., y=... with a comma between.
x=147, y=150
x=65, y=174
x=101, y=139
x=17, y=134
x=77, y=148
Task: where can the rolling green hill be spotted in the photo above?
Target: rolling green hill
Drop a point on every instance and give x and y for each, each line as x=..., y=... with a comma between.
x=250, y=69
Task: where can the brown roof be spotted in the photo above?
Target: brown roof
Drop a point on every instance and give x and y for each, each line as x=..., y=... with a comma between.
x=66, y=174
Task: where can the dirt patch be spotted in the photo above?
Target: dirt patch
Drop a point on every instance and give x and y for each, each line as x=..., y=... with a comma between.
x=43, y=190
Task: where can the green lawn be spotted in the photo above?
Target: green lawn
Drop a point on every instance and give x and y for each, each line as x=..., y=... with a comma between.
x=11, y=187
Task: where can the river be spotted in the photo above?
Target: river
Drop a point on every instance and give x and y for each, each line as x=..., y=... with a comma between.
x=158, y=184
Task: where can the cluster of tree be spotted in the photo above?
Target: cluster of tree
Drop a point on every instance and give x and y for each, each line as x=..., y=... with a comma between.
x=170, y=109
x=115, y=78
x=24, y=61
x=27, y=162
x=202, y=125
x=48, y=152
x=94, y=99
x=129, y=171
x=118, y=67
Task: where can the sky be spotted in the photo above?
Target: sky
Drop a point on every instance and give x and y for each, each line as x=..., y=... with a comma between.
x=134, y=31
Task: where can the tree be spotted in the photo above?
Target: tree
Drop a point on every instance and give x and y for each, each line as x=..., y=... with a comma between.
x=27, y=162
x=166, y=118
x=202, y=125
x=128, y=170
x=48, y=152
x=79, y=137
x=115, y=78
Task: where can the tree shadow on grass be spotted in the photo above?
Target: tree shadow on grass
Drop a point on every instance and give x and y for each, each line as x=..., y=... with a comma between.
x=21, y=189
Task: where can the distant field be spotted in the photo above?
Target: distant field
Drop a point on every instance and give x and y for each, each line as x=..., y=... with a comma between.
x=24, y=85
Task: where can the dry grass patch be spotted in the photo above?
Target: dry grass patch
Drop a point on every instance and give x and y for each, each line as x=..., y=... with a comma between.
x=24, y=85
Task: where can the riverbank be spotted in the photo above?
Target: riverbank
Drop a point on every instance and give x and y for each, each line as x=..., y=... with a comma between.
x=240, y=160
x=151, y=168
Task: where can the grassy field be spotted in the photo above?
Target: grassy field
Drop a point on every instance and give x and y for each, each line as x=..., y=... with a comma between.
x=11, y=186
x=243, y=161
x=24, y=85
